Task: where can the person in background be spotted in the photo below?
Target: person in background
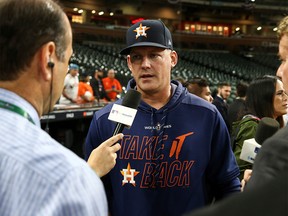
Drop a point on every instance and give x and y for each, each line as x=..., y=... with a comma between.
x=180, y=79
x=111, y=85
x=267, y=189
x=237, y=107
x=272, y=159
x=200, y=87
x=283, y=51
x=38, y=175
x=266, y=97
x=176, y=156
x=71, y=82
x=279, y=74
x=214, y=93
x=85, y=91
x=220, y=101
x=97, y=86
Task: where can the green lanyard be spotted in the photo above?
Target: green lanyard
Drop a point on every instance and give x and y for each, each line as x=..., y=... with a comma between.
x=15, y=109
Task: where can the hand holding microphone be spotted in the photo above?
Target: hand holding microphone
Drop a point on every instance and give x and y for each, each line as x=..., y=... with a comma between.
x=246, y=177
x=265, y=129
x=103, y=158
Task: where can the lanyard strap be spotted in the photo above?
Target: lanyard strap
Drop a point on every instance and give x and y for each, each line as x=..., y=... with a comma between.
x=15, y=109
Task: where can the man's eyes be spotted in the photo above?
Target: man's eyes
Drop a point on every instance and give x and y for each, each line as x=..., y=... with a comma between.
x=135, y=57
x=139, y=57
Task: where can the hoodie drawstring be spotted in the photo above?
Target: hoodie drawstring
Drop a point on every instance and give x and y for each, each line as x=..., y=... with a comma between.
x=159, y=145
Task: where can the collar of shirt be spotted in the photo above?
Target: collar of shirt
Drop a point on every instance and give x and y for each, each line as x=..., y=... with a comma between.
x=11, y=97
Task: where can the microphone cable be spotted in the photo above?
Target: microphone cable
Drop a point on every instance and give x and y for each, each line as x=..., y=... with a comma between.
x=51, y=65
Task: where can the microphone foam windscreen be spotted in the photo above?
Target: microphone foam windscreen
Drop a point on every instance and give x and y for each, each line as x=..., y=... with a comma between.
x=265, y=129
x=132, y=99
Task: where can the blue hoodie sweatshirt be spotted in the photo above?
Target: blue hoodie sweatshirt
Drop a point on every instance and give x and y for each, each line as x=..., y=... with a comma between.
x=172, y=160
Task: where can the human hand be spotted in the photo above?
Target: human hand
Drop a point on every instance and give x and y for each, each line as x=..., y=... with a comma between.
x=246, y=177
x=103, y=158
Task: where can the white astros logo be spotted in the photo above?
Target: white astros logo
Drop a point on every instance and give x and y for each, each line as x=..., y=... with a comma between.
x=129, y=175
x=141, y=31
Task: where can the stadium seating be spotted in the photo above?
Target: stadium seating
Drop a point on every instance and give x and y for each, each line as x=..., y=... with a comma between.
x=216, y=66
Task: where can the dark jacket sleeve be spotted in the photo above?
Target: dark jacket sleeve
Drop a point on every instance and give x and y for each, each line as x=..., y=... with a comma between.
x=266, y=200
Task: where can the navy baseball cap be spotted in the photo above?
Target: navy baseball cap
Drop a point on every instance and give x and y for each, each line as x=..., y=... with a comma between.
x=148, y=33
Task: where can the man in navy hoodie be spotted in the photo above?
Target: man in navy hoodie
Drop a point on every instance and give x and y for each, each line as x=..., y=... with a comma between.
x=176, y=156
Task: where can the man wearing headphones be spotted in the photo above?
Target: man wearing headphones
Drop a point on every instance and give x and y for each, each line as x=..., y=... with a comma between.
x=38, y=175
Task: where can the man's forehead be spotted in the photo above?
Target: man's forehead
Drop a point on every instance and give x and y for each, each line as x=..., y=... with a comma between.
x=283, y=45
x=206, y=90
x=140, y=49
x=225, y=87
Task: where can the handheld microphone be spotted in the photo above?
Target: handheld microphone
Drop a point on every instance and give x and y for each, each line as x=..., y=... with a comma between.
x=265, y=129
x=124, y=114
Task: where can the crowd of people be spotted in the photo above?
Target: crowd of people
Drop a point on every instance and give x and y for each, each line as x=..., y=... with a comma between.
x=262, y=97
x=82, y=86
x=179, y=157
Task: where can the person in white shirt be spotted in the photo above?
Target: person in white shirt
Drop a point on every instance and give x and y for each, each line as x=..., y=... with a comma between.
x=71, y=83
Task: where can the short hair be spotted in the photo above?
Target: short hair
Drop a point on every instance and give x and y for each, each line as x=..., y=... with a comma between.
x=97, y=70
x=202, y=82
x=282, y=27
x=197, y=85
x=241, y=89
x=180, y=79
x=25, y=26
x=221, y=84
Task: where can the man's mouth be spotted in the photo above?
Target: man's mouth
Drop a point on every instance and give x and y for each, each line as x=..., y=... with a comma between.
x=146, y=76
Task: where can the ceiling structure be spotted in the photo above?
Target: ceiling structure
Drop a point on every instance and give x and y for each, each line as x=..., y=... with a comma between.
x=246, y=14
x=261, y=11
x=111, y=30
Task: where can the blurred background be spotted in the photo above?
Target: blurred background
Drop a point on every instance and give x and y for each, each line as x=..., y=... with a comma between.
x=222, y=40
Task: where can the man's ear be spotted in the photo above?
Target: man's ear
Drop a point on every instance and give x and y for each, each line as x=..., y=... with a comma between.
x=46, y=57
x=129, y=62
x=174, y=58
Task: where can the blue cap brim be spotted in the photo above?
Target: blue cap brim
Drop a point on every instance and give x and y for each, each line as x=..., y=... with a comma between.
x=127, y=50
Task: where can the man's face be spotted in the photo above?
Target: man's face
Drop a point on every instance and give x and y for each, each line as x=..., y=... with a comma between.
x=225, y=92
x=100, y=74
x=206, y=94
x=283, y=55
x=151, y=68
x=74, y=72
x=111, y=74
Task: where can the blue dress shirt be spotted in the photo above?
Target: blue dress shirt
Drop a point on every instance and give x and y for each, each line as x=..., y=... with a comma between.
x=38, y=176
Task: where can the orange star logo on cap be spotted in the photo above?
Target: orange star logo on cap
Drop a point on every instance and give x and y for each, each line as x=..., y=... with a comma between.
x=141, y=31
